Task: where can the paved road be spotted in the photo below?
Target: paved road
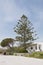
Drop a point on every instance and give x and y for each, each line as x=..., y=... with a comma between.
x=19, y=60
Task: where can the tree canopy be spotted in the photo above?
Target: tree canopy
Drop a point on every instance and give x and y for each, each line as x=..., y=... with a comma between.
x=8, y=42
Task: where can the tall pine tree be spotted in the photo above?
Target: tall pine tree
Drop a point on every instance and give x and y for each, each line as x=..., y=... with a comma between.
x=25, y=31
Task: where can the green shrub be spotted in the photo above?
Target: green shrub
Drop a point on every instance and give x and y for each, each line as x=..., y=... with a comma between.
x=19, y=50
x=22, y=50
x=37, y=55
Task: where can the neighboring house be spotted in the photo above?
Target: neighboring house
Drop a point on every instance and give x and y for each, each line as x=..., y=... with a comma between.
x=34, y=48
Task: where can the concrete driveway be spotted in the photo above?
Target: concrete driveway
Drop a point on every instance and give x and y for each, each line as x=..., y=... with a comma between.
x=19, y=60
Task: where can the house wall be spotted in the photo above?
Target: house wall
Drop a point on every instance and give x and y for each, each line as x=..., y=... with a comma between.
x=33, y=48
x=39, y=43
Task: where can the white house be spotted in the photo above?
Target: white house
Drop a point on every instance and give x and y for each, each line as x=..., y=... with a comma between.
x=34, y=48
x=40, y=43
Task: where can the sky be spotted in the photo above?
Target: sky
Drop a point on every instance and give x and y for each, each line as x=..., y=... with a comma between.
x=12, y=10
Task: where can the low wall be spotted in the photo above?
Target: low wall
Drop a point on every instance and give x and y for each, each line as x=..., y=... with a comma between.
x=21, y=54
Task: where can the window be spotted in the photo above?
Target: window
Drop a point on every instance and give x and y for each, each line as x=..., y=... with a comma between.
x=31, y=47
x=36, y=47
x=39, y=46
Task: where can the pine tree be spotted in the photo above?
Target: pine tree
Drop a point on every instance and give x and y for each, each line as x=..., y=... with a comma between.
x=25, y=31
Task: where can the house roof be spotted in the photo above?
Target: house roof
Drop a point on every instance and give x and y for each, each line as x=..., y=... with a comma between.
x=29, y=45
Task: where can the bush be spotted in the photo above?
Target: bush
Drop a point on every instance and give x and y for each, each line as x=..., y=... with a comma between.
x=37, y=55
x=22, y=50
x=1, y=51
x=9, y=52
